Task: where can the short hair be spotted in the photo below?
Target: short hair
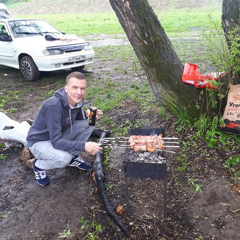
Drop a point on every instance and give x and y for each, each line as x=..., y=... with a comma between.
x=77, y=75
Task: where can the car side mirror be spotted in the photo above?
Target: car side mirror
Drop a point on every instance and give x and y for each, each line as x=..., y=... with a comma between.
x=63, y=33
x=5, y=38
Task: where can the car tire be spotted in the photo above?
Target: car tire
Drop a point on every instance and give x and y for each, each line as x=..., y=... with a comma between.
x=29, y=69
x=78, y=69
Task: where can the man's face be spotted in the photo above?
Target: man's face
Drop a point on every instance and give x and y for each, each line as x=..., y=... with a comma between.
x=75, y=90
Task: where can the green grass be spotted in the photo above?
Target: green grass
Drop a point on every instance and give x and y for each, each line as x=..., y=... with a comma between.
x=187, y=21
x=84, y=23
x=11, y=5
x=174, y=22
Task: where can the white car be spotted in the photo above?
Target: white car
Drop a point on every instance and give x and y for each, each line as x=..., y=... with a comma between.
x=4, y=11
x=33, y=45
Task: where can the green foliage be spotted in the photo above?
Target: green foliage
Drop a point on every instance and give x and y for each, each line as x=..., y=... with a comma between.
x=65, y=234
x=93, y=229
x=2, y=104
x=233, y=59
x=202, y=124
x=2, y=157
x=3, y=215
x=233, y=165
x=214, y=42
x=182, y=160
x=84, y=223
x=195, y=186
x=183, y=121
x=232, y=161
x=208, y=129
x=199, y=238
x=224, y=58
x=163, y=114
x=50, y=93
x=96, y=226
x=106, y=158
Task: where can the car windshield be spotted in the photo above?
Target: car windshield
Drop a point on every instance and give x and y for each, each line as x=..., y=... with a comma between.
x=27, y=27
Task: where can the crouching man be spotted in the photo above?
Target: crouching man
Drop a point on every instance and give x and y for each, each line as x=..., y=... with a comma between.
x=61, y=130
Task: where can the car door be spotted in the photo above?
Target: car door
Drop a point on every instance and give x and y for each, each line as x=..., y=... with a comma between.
x=6, y=46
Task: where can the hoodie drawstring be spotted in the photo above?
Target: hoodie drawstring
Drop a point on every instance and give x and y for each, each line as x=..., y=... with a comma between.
x=70, y=116
x=83, y=113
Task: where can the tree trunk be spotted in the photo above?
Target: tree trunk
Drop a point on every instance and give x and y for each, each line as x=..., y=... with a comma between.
x=230, y=16
x=230, y=22
x=156, y=55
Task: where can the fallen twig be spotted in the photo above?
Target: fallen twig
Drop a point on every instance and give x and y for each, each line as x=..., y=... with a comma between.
x=51, y=85
x=237, y=210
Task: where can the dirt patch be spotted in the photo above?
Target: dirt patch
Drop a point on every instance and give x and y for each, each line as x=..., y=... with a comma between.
x=29, y=211
x=217, y=205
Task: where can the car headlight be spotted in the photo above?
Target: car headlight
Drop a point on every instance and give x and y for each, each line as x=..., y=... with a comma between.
x=88, y=48
x=52, y=52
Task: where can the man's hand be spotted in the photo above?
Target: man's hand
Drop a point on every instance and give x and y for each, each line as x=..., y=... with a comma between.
x=99, y=112
x=92, y=147
x=87, y=112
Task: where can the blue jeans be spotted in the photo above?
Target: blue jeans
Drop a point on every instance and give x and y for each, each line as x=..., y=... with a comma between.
x=50, y=158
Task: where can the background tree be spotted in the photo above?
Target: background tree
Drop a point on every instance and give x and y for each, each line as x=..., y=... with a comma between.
x=156, y=55
x=230, y=24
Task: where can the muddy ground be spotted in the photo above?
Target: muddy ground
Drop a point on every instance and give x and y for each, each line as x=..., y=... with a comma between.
x=70, y=206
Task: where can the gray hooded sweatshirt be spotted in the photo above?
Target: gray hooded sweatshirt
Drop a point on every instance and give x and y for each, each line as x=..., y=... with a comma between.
x=54, y=117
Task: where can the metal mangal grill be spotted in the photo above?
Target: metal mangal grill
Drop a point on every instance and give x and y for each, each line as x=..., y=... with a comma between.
x=145, y=164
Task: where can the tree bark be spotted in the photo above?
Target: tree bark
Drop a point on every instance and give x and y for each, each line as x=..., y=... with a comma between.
x=156, y=55
x=230, y=16
x=230, y=22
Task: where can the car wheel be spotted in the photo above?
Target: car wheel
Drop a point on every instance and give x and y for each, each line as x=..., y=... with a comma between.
x=78, y=69
x=29, y=69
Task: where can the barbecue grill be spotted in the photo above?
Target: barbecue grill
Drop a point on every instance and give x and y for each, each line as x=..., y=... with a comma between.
x=146, y=165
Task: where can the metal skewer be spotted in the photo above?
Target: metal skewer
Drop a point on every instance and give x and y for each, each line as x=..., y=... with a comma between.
x=160, y=150
x=128, y=146
x=105, y=140
x=125, y=142
x=117, y=142
x=168, y=138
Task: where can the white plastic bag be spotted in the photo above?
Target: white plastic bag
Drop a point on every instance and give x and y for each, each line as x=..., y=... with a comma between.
x=17, y=133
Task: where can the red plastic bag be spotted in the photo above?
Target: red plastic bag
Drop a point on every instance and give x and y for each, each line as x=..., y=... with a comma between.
x=191, y=75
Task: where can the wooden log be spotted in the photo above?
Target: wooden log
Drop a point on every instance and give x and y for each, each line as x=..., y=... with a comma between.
x=100, y=178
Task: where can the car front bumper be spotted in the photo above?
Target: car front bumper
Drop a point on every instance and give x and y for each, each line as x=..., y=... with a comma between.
x=64, y=61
